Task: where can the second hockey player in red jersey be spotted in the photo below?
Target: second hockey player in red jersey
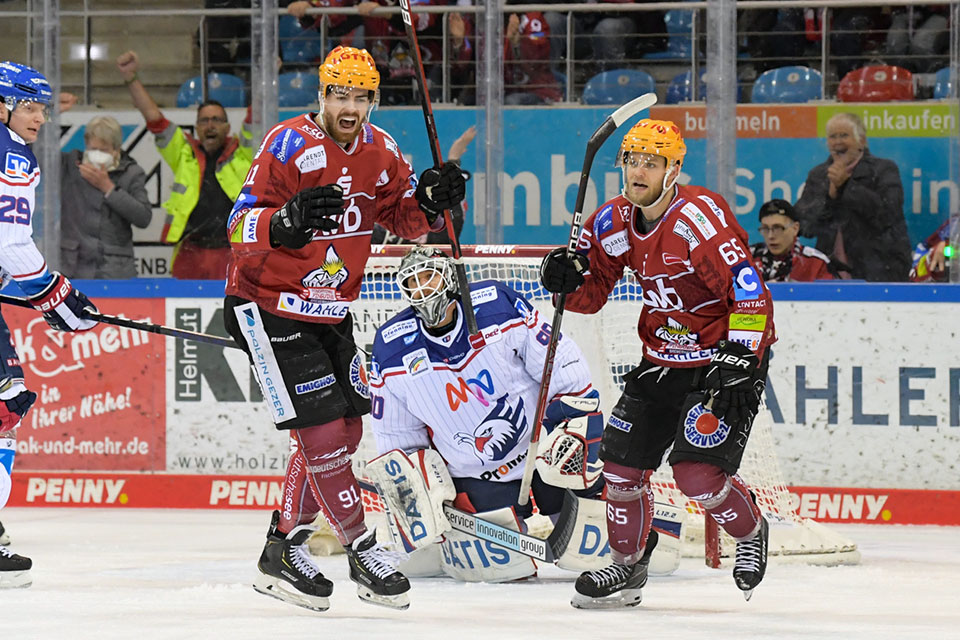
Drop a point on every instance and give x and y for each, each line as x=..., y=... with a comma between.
x=300, y=236
x=706, y=325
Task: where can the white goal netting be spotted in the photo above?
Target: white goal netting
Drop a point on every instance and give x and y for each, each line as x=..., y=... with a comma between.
x=610, y=343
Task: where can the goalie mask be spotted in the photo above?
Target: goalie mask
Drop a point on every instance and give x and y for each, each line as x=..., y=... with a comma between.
x=426, y=280
x=569, y=456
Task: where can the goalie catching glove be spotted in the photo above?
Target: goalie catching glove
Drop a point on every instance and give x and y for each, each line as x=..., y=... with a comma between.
x=732, y=388
x=568, y=456
x=414, y=488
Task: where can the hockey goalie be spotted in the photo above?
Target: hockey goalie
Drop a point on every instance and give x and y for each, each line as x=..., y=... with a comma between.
x=452, y=423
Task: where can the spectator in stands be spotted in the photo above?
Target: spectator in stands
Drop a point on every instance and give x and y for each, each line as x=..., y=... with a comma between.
x=102, y=193
x=853, y=205
x=781, y=257
x=526, y=61
x=607, y=38
x=923, y=44
x=930, y=258
x=208, y=172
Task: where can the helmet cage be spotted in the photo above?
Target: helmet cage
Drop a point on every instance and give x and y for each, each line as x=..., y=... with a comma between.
x=419, y=285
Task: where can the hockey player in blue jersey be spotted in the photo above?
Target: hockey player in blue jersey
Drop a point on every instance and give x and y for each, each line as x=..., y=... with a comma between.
x=24, y=104
x=458, y=419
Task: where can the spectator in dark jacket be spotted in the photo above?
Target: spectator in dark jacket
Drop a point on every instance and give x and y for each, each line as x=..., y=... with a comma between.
x=853, y=205
x=102, y=194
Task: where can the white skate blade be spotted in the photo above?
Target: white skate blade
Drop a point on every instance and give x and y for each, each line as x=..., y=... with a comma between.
x=15, y=579
x=618, y=600
x=399, y=601
x=748, y=594
x=282, y=590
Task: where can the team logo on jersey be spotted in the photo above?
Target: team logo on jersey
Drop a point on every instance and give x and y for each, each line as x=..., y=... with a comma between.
x=498, y=434
x=314, y=132
x=616, y=244
x=417, y=362
x=358, y=377
x=16, y=165
x=746, y=282
x=661, y=298
x=604, y=221
x=470, y=388
x=703, y=429
x=700, y=221
x=677, y=334
x=285, y=145
x=319, y=283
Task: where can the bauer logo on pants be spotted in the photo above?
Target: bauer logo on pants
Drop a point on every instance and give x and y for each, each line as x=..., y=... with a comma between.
x=703, y=429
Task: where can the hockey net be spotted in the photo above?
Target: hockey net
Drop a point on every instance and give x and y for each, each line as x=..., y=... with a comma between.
x=609, y=341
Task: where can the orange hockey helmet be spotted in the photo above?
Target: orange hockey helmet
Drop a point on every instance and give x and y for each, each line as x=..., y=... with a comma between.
x=350, y=67
x=657, y=137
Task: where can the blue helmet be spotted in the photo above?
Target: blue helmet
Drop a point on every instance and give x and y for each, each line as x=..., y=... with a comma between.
x=20, y=83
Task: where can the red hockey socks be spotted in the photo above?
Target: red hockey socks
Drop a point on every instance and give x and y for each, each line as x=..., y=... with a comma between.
x=629, y=511
x=724, y=497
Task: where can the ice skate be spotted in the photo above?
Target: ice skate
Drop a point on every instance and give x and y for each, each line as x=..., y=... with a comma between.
x=751, y=562
x=615, y=586
x=14, y=570
x=288, y=573
x=4, y=538
x=374, y=569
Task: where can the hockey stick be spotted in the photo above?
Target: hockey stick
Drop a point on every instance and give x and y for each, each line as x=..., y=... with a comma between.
x=476, y=339
x=604, y=131
x=139, y=325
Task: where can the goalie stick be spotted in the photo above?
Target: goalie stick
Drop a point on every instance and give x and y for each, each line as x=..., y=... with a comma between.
x=139, y=325
x=476, y=339
x=604, y=131
x=537, y=548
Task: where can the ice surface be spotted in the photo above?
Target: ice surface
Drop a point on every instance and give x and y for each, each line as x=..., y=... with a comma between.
x=145, y=574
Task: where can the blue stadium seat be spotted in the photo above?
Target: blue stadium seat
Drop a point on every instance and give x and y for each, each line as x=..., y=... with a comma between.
x=681, y=89
x=562, y=79
x=298, y=46
x=943, y=83
x=618, y=86
x=297, y=88
x=787, y=84
x=678, y=36
x=226, y=88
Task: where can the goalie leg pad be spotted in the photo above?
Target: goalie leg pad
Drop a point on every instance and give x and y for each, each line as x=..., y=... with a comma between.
x=414, y=489
x=470, y=559
x=588, y=548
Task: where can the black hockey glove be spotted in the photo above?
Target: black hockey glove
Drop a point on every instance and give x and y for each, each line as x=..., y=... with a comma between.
x=315, y=208
x=63, y=307
x=732, y=384
x=440, y=189
x=562, y=273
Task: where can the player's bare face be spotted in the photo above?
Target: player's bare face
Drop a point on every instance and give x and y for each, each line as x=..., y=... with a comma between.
x=842, y=142
x=26, y=120
x=344, y=111
x=779, y=233
x=643, y=177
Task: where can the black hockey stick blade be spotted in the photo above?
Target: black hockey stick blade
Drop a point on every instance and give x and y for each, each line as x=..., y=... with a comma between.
x=604, y=131
x=139, y=325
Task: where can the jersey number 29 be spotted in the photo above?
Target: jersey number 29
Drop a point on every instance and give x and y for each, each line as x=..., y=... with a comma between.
x=14, y=210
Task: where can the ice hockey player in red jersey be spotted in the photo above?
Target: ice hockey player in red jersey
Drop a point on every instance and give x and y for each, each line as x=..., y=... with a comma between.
x=300, y=236
x=706, y=325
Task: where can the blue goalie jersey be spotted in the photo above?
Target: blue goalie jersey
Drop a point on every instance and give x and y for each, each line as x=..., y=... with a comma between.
x=476, y=407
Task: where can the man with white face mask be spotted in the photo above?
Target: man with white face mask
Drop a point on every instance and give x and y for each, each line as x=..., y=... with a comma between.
x=102, y=196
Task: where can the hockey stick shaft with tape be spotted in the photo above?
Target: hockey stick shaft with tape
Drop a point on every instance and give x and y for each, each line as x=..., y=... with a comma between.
x=475, y=338
x=139, y=325
x=596, y=141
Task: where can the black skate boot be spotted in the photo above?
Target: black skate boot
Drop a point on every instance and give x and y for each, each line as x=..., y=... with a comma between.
x=4, y=538
x=14, y=570
x=374, y=569
x=751, y=560
x=615, y=586
x=288, y=573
